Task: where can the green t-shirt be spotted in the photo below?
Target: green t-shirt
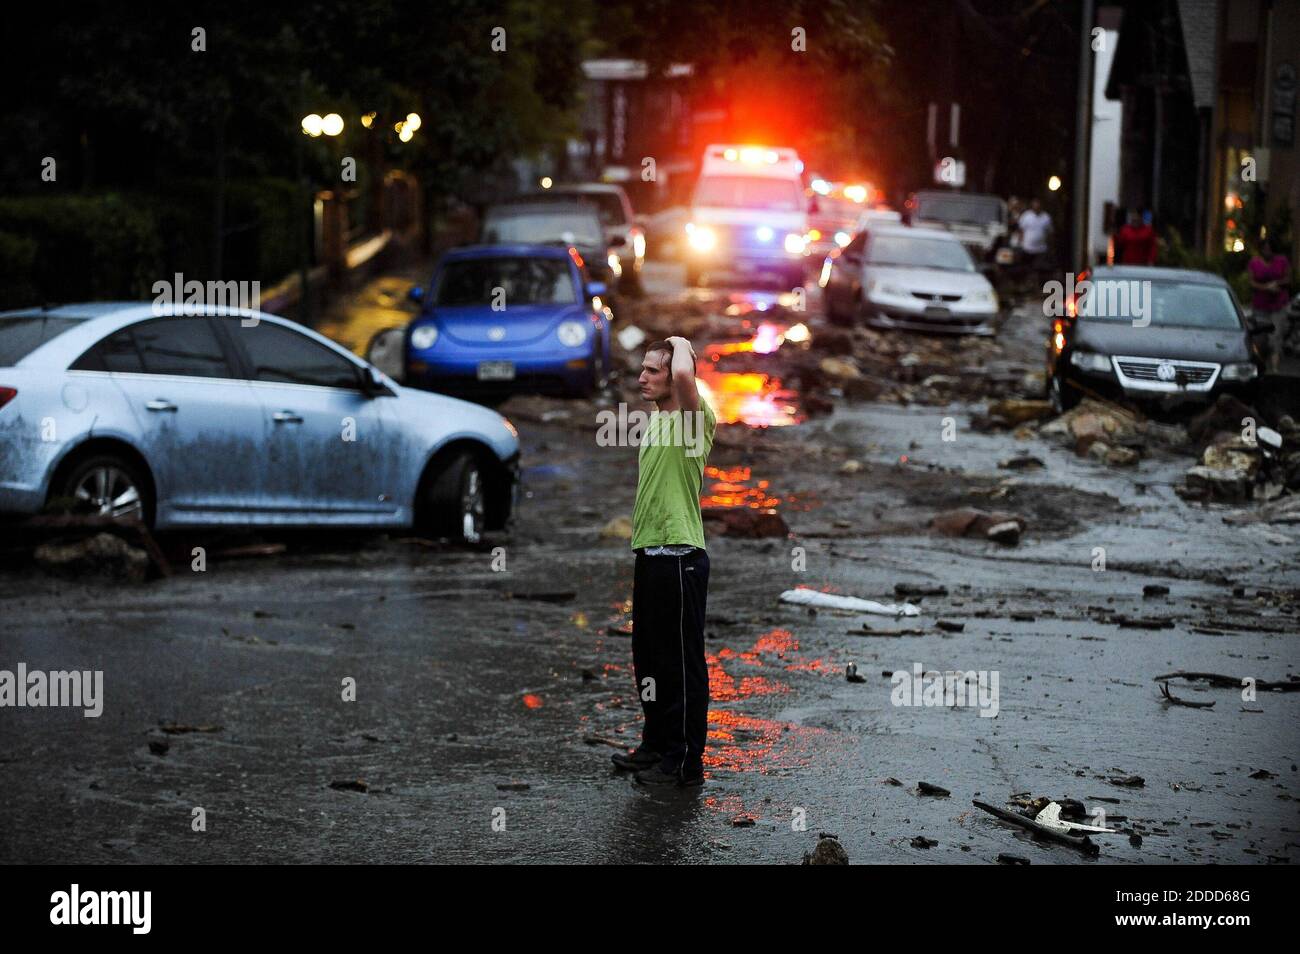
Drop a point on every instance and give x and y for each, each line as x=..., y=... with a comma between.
x=674, y=449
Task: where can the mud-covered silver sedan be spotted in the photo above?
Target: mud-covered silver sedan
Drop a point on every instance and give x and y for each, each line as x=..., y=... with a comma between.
x=233, y=417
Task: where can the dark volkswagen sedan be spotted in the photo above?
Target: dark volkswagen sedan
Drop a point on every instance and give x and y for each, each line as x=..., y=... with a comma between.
x=1154, y=335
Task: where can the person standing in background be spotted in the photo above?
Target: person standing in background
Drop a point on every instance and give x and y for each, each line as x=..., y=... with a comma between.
x=1035, y=236
x=1270, y=273
x=1135, y=242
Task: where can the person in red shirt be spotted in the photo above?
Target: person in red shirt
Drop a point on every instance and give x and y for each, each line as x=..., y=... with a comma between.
x=1136, y=242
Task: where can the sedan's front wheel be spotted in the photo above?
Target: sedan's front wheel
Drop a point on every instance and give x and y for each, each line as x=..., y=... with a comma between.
x=456, y=500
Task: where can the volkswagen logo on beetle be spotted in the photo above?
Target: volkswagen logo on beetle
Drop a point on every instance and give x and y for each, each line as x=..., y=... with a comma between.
x=496, y=333
x=1165, y=371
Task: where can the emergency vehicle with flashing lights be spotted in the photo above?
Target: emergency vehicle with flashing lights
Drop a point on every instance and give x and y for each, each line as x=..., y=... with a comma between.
x=749, y=215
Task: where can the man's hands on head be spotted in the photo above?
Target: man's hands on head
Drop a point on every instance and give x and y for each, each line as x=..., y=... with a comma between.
x=683, y=365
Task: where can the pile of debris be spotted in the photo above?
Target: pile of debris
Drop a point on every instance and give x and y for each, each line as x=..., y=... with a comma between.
x=1103, y=431
x=1241, y=458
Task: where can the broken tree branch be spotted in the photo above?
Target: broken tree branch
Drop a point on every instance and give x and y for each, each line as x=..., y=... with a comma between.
x=1170, y=697
x=1231, y=682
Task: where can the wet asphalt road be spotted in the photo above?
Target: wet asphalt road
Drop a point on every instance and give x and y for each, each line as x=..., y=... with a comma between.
x=488, y=701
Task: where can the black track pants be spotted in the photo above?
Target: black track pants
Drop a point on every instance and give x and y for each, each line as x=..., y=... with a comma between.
x=668, y=597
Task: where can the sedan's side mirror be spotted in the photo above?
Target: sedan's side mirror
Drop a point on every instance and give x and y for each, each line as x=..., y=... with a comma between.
x=416, y=294
x=597, y=289
x=1258, y=324
x=371, y=386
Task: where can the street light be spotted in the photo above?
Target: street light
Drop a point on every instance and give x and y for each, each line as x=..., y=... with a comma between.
x=315, y=125
x=1054, y=183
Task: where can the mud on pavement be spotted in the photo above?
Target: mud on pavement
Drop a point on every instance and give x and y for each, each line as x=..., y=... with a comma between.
x=492, y=684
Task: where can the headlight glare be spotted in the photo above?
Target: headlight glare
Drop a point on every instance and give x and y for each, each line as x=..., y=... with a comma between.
x=1090, y=361
x=701, y=238
x=571, y=333
x=423, y=337
x=1241, y=371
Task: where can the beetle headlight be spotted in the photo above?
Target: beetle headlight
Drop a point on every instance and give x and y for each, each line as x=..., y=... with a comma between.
x=571, y=333
x=423, y=337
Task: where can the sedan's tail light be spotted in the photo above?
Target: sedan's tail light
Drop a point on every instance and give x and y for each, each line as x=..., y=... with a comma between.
x=7, y=395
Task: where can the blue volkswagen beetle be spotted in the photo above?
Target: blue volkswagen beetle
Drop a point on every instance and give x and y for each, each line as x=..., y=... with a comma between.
x=501, y=319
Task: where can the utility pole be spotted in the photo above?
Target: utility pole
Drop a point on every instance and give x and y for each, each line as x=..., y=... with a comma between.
x=1082, y=141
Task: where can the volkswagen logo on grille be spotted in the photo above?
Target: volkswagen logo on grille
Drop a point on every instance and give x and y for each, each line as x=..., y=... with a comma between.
x=1165, y=371
x=497, y=333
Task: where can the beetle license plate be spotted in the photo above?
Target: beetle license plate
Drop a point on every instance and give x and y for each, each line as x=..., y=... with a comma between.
x=496, y=370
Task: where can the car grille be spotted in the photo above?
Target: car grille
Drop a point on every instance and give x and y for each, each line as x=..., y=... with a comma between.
x=935, y=298
x=1144, y=374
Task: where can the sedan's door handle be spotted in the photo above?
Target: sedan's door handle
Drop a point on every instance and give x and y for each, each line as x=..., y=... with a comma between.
x=286, y=417
x=160, y=404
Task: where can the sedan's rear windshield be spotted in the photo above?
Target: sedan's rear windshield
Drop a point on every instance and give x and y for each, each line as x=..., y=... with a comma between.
x=542, y=227
x=20, y=335
x=909, y=252
x=506, y=282
x=1169, y=304
x=608, y=205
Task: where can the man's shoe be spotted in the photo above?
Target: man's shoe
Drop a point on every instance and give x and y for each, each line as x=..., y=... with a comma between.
x=642, y=758
x=659, y=778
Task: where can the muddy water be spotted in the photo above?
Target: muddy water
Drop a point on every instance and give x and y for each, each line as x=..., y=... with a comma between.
x=474, y=707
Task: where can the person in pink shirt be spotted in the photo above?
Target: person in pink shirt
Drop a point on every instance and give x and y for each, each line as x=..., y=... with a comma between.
x=1270, y=274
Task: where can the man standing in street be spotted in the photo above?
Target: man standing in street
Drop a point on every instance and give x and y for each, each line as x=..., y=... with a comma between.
x=671, y=578
x=1035, y=230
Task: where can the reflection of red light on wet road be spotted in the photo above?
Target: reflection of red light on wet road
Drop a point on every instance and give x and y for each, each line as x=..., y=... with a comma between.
x=729, y=489
x=735, y=487
x=723, y=687
x=748, y=397
x=778, y=641
x=741, y=743
x=532, y=701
